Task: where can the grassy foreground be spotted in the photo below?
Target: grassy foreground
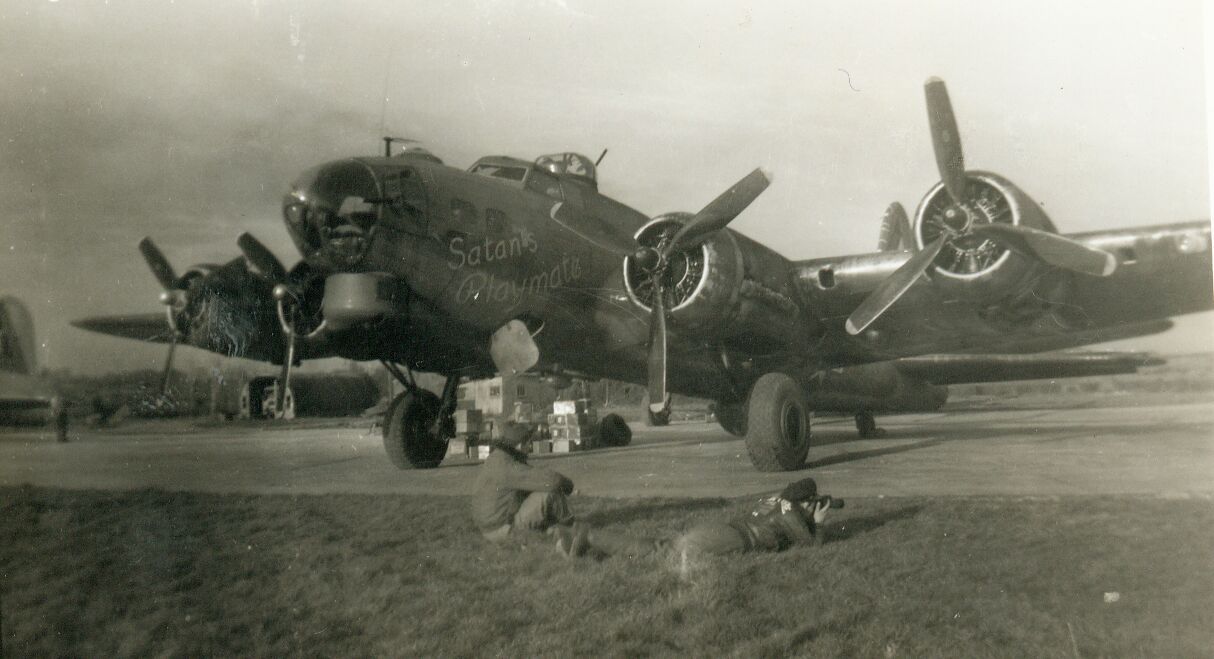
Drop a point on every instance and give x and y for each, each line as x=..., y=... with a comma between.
x=150, y=572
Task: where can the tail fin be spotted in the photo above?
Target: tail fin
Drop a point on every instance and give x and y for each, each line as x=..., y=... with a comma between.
x=18, y=351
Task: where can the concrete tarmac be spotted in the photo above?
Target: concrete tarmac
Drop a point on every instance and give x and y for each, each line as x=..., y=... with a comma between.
x=1160, y=450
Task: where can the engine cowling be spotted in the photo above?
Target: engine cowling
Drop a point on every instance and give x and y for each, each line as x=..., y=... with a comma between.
x=974, y=267
x=225, y=309
x=727, y=286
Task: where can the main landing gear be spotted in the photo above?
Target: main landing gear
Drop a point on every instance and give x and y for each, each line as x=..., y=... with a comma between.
x=418, y=425
x=866, y=425
x=777, y=424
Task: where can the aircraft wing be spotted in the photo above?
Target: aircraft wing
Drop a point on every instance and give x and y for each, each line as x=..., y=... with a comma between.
x=152, y=327
x=1162, y=271
x=961, y=369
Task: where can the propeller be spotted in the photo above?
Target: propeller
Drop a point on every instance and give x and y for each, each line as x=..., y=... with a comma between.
x=657, y=349
x=173, y=297
x=264, y=260
x=892, y=288
x=1051, y=248
x=159, y=265
x=946, y=142
x=712, y=218
x=1043, y=246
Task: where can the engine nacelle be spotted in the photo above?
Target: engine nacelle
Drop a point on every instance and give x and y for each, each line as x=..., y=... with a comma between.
x=727, y=286
x=974, y=267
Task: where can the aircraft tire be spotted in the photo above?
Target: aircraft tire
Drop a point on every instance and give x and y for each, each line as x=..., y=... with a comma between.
x=732, y=417
x=614, y=431
x=407, y=437
x=778, y=420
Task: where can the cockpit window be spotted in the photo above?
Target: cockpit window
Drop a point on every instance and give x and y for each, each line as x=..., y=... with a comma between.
x=500, y=171
x=544, y=183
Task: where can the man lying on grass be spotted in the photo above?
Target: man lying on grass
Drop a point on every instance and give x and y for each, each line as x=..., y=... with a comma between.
x=511, y=495
x=794, y=517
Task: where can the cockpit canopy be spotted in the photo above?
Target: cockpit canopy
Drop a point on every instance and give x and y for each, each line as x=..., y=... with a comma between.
x=514, y=169
x=573, y=164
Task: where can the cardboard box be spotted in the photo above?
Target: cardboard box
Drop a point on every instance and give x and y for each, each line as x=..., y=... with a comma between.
x=578, y=406
x=467, y=420
x=572, y=432
x=582, y=419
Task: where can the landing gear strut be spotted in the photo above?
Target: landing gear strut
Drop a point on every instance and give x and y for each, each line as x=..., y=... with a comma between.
x=867, y=425
x=418, y=425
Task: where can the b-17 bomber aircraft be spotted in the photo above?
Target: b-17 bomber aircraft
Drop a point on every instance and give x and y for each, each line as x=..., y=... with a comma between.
x=515, y=265
x=26, y=398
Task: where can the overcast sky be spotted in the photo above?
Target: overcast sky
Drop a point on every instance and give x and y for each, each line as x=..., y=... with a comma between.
x=185, y=121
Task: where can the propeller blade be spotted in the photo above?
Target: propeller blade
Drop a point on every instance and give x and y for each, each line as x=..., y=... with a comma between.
x=946, y=141
x=657, y=348
x=1051, y=248
x=720, y=211
x=888, y=291
x=262, y=258
x=284, y=376
x=895, y=230
x=168, y=366
x=160, y=266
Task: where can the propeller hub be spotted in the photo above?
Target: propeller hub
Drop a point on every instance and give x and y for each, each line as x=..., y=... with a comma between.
x=173, y=298
x=959, y=218
x=648, y=258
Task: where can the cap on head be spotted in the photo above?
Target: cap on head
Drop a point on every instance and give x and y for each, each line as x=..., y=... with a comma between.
x=515, y=433
x=800, y=491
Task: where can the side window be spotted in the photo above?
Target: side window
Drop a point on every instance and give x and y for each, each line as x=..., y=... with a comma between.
x=406, y=196
x=463, y=214
x=545, y=184
x=496, y=222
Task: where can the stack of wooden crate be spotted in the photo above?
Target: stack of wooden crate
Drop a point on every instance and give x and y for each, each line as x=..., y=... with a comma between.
x=573, y=426
x=468, y=427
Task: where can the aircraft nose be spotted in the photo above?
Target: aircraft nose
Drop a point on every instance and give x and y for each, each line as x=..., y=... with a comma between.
x=330, y=211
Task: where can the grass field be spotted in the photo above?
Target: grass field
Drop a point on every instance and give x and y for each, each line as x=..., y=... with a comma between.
x=151, y=572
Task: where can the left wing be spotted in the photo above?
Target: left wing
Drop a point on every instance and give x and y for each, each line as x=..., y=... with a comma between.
x=1162, y=271
x=152, y=327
